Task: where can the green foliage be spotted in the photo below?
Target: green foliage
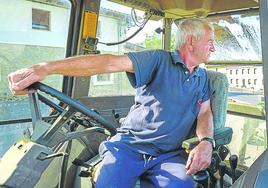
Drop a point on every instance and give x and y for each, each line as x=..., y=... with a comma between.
x=155, y=41
x=173, y=42
x=262, y=104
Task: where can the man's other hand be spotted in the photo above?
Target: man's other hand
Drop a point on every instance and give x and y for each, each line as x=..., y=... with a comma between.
x=21, y=79
x=199, y=158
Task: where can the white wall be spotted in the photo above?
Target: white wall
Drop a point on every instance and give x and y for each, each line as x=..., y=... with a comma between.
x=16, y=24
x=237, y=74
x=232, y=77
x=109, y=33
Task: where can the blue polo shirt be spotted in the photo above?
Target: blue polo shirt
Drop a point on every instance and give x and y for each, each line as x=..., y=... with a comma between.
x=167, y=102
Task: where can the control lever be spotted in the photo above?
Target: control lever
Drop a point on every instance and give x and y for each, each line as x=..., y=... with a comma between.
x=233, y=159
x=79, y=162
x=44, y=156
x=83, y=173
x=222, y=171
x=202, y=178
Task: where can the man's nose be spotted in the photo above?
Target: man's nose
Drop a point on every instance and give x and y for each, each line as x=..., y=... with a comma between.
x=212, y=48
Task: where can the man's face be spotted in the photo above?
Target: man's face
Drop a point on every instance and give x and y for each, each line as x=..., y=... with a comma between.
x=203, y=47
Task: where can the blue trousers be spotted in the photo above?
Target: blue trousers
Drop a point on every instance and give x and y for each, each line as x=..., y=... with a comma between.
x=122, y=167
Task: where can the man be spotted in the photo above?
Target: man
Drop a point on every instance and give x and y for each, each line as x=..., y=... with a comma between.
x=171, y=92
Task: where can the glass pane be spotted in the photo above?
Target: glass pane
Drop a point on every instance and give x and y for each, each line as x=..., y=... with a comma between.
x=30, y=32
x=238, y=46
x=40, y=19
x=118, y=20
x=237, y=37
x=238, y=56
x=249, y=138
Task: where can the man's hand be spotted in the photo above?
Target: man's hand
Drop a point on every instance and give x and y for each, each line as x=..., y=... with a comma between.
x=21, y=79
x=199, y=158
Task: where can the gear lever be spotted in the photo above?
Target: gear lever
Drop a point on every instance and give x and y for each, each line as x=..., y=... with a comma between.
x=222, y=170
x=202, y=178
x=233, y=159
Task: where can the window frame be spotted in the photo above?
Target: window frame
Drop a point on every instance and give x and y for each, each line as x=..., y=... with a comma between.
x=35, y=25
x=97, y=82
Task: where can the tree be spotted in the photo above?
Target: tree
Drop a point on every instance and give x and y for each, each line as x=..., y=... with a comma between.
x=155, y=41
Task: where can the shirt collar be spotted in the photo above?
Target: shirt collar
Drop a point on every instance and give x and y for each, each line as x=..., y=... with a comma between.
x=176, y=60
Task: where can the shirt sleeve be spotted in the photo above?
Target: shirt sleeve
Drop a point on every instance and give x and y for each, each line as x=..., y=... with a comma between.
x=209, y=89
x=207, y=94
x=145, y=65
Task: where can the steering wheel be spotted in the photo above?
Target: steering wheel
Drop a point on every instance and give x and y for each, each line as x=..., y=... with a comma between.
x=75, y=104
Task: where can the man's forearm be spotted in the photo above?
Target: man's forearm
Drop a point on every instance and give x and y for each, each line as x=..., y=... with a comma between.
x=87, y=65
x=75, y=66
x=205, y=125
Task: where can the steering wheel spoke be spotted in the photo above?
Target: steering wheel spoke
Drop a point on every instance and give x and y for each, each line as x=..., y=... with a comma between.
x=66, y=115
x=35, y=109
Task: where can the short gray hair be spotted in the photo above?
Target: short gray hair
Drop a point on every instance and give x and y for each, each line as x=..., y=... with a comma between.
x=191, y=26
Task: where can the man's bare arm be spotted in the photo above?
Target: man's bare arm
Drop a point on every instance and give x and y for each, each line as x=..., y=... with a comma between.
x=74, y=66
x=90, y=65
x=200, y=157
x=204, y=126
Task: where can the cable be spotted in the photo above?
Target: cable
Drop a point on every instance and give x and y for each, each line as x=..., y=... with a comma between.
x=136, y=20
x=143, y=23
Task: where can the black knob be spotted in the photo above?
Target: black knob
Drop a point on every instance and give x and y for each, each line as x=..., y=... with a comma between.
x=233, y=159
x=116, y=115
x=79, y=162
x=202, y=178
x=222, y=170
x=84, y=173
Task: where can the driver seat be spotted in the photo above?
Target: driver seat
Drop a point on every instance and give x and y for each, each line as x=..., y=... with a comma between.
x=218, y=83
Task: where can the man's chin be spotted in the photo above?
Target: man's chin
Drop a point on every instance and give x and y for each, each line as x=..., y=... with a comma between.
x=205, y=61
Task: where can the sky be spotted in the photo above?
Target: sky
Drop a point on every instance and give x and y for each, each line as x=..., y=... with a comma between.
x=115, y=7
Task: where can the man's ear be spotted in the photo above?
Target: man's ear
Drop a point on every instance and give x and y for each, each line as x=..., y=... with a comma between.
x=190, y=42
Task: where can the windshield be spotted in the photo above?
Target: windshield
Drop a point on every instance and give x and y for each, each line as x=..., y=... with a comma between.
x=237, y=38
x=30, y=32
x=238, y=56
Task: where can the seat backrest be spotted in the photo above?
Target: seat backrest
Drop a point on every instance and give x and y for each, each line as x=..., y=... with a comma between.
x=218, y=84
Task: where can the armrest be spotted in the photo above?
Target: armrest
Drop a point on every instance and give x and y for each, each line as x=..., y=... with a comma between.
x=190, y=143
x=222, y=136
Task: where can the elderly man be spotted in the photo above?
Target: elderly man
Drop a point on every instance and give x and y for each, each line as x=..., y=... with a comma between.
x=171, y=93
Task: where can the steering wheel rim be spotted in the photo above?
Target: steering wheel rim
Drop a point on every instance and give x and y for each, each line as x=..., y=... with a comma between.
x=76, y=105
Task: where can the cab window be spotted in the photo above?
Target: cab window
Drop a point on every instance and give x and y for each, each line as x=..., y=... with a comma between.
x=31, y=32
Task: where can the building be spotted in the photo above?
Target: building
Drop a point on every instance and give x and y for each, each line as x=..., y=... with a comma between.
x=243, y=77
x=36, y=31
x=248, y=77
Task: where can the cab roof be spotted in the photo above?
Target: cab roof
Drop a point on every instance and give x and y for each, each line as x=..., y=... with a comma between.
x=189, y=8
